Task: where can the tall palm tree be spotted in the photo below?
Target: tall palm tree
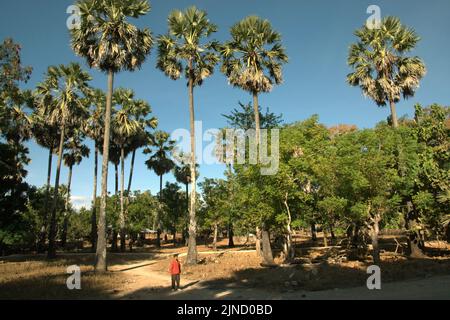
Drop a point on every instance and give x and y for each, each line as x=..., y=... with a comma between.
x=253, y=61
x=76, y=151
x=183, y=50
x=124, y=128
x=381, y=68
x=61, y=97
x=161, y=163
x=47, y=136
x=182, y=173
x=141, y=112
x=94, y=129
x=110, y=43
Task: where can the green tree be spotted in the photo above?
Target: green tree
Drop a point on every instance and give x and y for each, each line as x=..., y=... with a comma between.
x=252, y=61
x=110, y=43
x=124, y=127
x=381, y=66
x=61, y=97
x=184, y=50
x=76, y=151
x=94, y=128
x=161, y=163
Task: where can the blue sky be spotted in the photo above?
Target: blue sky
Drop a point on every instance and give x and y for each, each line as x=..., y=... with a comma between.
x=316, y=34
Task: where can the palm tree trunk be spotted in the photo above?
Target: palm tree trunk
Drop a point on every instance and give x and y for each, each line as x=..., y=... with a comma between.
x=192, y=244
x=43, y=232
x=393, y=114
x=133, y=156
x=94, y=202
x=187, y=215
x=100, y=255
x=51, y=254
x=257, y=121
x=122, y=214
x=66, y=210
x=116, y=185
x=158, y=223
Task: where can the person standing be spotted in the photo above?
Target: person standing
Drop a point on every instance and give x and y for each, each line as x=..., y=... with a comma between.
x=175, y=272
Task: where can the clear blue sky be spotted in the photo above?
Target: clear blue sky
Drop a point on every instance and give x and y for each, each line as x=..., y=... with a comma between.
x=316, y=33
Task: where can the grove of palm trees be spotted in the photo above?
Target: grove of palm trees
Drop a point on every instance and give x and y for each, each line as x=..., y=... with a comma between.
x=359, y=166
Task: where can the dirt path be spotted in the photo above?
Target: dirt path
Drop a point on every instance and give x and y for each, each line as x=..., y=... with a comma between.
x=146, y=283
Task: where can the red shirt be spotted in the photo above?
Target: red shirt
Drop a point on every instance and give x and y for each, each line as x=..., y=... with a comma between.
x=175, y=267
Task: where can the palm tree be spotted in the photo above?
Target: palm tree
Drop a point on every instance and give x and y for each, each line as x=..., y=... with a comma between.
x=76, y=152
x=61, y=100
x=182, y=173
x=141, y=112
x=124, y=128
x=110, y=43
x=381, y=68
x=161, y=163
x=181, y=51
x=94, y=130
x=47, y=136
x=252, y=61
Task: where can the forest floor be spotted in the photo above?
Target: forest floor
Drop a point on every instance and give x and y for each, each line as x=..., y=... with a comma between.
x=320, y=273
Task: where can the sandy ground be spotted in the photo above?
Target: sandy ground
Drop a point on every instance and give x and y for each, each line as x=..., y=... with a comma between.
x=151, y=285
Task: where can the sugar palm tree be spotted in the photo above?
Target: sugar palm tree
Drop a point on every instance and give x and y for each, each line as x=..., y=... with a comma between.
x=161, y=163
x=47, y=136
x=182, y=173
x=141, y=113
x=76, y=151
x=185, y=50
x=381, y=67
x=125, y=126
x=253, y=59
x=110, y=43
x=61, y=98
x=94, y=129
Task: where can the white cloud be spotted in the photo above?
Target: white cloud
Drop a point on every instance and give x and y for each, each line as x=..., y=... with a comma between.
x=80, y=201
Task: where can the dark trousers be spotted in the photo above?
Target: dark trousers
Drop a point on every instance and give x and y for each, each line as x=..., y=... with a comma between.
x=175, y=281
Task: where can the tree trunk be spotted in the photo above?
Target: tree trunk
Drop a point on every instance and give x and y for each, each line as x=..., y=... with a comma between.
x=133, y=156
x=66, y=210
x=157, y=218
x=215, y=237
x=192, y=244
x=257, y=121
x=313, y=232
x=267, y=250
x=94, y=203
x=185, y=228
x=415, y=241
x=100, y=256
x=43, y=231
x=374, y=232
x=116, y=178
x=114, y=241
x=289, y=248
x=325, y=237
x=122, y=213
x=230, y=236
x=258, y=242
x=51, y=254
x=393, y=114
